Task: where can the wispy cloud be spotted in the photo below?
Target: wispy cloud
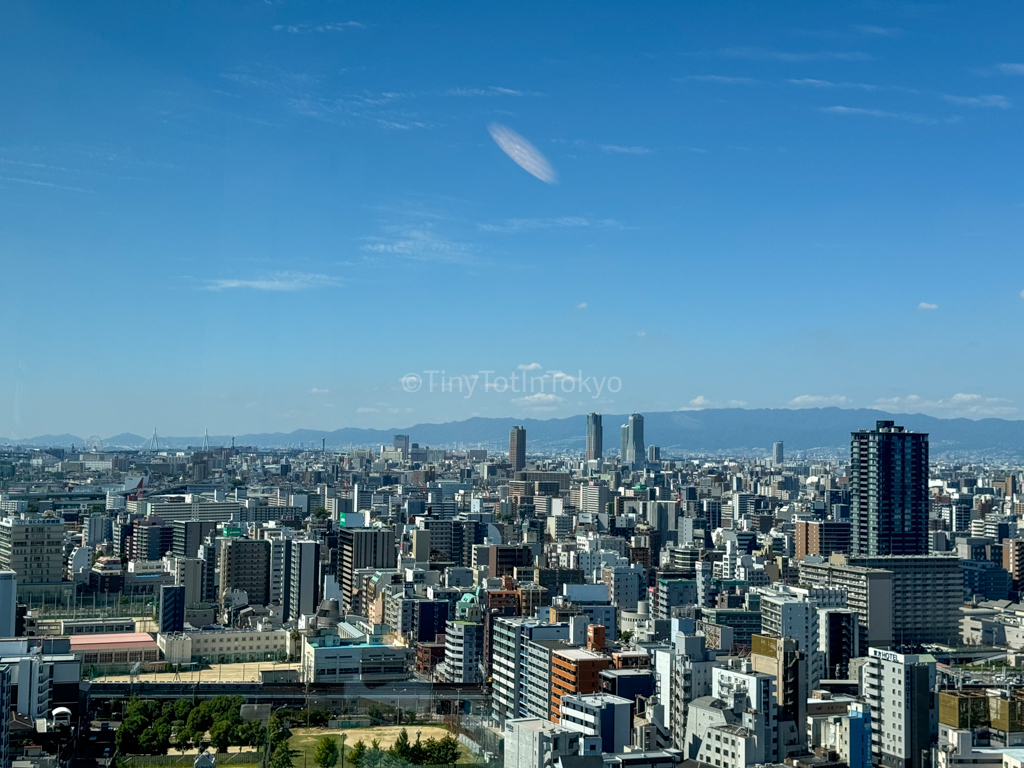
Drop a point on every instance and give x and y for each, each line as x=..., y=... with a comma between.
x=700, y=402
x=818, y=401
x=962, y=405
x=48, y=184
x=490, y=90
x=528, y=225
x=989, y=100
x=334, y=26
x=811, y=82
x=611, y=149
x=907, y=117
x=1010, y=69
x=539, y=401
x=768, y=54
x=728, y=79
x=873, y=31
x=924, y=305
x=319, y=391
x=278, y=281
x=581, y=305
x=419, y=242
x=529, y=366
x=618, y=149
x=523, y=153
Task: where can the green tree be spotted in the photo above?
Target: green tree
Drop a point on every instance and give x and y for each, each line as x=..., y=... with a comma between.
x=401, y=747
x=444, y=751
x=326, y=754
x=282, y=757
x=320, y=513
x=279, y=732
x=356, y=754
x=220, y=735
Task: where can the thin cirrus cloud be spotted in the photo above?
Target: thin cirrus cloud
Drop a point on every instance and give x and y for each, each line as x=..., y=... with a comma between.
x=926, y=306
x=523, y=153
x=320, y=391
x=558, y=222
x=419, y=243
x=907, y=117
x=987, y=101
x=874, y=31
x=529, y=366
x=962, y=404
x=277, y=282
x=727, y=79
x=490, y=90
x=334, y=26
x=769, y=54
x=811, y=82
x=701, y=402
x=818, y=401
x=1010, y=68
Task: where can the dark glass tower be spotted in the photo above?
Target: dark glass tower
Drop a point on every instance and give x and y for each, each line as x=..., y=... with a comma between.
x=517, y=448
x=888, y=491
x=595, y=437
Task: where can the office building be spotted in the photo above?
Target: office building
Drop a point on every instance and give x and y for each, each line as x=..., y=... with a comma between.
x=888, y=491
x=821, y=537
x=305, y=577
x=171, y=616
x=245, y=566
x=531, y=742
x=778, y=455
x=33, y=547
x=900, y=690
x=574, y=670
x=360, y=548
x=401, y=444
x=599, y=714
x=188, y=535
x=517, y=448
x=508, y=661
x=595, y=437
x=8, y=602
x=927, y=592
x=869, y=592
x=635, y=451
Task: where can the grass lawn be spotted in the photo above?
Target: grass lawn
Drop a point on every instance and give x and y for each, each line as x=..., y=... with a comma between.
x=303, y=740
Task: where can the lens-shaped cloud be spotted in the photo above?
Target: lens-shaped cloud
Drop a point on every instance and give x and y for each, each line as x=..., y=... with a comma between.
x=523, y=153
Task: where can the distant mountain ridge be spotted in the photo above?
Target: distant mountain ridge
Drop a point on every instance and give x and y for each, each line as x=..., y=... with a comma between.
x=735, y=430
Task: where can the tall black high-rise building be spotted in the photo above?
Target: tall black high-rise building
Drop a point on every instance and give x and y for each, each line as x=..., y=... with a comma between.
x=517, y=448
x=888, y=491
x=595, y=437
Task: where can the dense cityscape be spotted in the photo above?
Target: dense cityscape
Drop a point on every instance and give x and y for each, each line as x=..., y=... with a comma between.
x=618, y=608
x=575, y=384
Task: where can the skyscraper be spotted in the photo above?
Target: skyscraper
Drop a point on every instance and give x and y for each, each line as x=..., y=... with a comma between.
x=624, y=437
x=635, y=448
x=595, y=437
x=401, y=443
x=517, y=448
x=778, y=456
x=888, y=491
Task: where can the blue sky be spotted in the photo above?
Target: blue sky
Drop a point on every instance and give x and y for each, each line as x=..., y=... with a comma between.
x=261, y=216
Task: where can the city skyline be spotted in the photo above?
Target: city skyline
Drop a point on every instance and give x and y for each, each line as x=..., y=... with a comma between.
x=223, y=189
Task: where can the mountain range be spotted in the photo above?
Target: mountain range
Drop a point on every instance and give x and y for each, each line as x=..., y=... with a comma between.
x=738, y=431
